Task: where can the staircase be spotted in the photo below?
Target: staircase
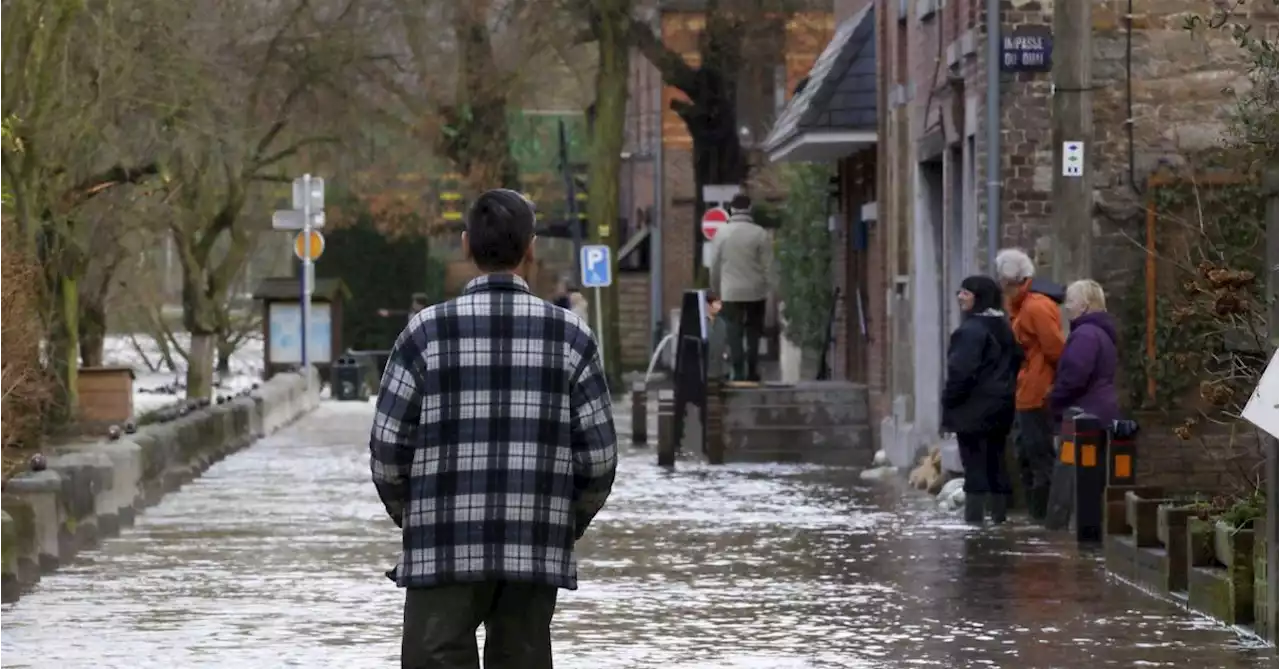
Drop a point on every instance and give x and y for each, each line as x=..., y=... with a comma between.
x=814, y=422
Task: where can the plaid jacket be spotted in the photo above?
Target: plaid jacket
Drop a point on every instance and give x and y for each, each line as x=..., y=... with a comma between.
x=493, y=443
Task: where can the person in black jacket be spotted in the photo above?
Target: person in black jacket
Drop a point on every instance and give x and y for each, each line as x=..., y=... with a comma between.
x=978, y=398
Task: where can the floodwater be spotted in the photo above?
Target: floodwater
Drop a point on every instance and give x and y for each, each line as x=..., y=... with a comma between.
x=274, y=558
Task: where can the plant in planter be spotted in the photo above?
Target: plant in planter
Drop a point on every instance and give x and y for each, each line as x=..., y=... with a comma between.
x=1233, y=530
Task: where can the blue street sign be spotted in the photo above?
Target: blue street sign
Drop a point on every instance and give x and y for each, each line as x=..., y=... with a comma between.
x=597, y=270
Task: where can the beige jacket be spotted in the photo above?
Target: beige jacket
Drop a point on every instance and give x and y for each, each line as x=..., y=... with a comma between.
x=742, y=261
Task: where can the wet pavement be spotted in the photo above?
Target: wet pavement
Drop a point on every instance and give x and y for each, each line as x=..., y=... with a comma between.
x=274, y=558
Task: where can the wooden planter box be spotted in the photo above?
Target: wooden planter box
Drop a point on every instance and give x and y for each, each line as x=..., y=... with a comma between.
x=1125, y=508
x=1220, y=580
x=106, y=395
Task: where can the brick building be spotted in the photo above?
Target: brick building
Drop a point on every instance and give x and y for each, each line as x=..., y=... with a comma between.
x=912, y=219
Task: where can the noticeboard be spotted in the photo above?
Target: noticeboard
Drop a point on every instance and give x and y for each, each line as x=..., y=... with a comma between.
x=284, y=327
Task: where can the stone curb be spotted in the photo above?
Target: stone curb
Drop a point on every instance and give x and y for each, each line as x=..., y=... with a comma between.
x=90, y=491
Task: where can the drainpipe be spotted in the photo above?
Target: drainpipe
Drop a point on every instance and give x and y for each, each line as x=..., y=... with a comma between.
x=993, y=132
x=656, y=316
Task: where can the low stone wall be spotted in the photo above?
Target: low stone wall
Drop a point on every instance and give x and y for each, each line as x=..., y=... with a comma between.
x=89, y=491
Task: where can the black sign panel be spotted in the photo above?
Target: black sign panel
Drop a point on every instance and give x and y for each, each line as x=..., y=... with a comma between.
x=690, y=376
x=1027, y=49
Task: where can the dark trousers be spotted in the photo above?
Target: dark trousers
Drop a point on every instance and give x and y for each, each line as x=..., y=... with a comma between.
x=1036, y=453
x=982, y=455
x=744, y=325
x=440, y=626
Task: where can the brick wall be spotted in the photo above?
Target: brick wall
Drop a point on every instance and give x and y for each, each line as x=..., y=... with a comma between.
x=633, y=318
x=1218, y=462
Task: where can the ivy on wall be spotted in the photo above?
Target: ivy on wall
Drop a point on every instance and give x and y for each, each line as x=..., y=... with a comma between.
x=803, y=252
x=1211, y=339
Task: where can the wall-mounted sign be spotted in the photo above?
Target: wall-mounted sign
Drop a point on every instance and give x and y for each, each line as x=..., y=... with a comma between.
x=1027, y=49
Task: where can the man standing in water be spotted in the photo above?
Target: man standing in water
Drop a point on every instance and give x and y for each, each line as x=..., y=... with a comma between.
x=741, y=266
x=492, y=447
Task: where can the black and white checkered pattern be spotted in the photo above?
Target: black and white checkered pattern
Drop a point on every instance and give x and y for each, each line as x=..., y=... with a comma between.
x=493, y=444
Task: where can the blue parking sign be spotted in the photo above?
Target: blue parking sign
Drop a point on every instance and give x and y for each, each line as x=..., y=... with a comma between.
x=597, y=270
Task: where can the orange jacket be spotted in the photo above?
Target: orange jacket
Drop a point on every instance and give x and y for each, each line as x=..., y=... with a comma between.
x=1037, y=326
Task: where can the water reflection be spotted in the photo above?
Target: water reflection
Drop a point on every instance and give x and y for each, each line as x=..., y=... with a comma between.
x=274, y=559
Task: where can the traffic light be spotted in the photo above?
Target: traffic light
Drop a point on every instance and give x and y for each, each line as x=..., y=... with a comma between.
x=580, y=190
x=452, y=205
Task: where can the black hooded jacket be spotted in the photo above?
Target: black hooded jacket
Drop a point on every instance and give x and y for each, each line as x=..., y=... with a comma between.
x=982, y=365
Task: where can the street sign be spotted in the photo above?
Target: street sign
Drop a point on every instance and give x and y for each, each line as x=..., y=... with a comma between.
x=310, y=251
x=712, y=220
x=1263, y=407
x=300, y=200
x=1027, y=49
x=720, y=193
x=597, y=270
x=1072, y=159
x=291, y=219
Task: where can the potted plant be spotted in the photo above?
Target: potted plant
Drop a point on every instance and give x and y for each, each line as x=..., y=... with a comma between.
x=1172, y=516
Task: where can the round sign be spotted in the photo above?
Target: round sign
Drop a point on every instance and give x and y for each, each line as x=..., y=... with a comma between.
x=712, y=220
x=304, y=250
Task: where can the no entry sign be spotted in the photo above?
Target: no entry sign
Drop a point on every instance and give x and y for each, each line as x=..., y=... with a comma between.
x=712, y=220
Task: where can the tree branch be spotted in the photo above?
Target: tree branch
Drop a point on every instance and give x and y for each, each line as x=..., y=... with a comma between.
x=671, y=65
x=99, y=183
x=289, y=151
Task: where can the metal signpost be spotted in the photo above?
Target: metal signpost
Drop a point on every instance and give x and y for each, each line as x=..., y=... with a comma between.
x=306, y=215
x=597, y=273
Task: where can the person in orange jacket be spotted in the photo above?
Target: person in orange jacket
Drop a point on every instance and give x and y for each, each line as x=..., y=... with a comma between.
x=1037, y=325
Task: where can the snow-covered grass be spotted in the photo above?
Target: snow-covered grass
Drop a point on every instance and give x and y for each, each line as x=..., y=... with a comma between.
x=156, y=389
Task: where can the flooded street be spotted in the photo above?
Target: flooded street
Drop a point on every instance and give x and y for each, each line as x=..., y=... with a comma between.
x=274, y=558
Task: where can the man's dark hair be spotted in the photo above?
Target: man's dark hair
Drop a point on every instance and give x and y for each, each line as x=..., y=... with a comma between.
x=740, y=203
x=499, y=230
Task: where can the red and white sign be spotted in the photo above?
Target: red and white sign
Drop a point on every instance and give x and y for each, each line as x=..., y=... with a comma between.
x=712, y=220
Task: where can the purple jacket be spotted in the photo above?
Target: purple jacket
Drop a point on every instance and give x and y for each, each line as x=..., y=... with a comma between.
x=1086, y=376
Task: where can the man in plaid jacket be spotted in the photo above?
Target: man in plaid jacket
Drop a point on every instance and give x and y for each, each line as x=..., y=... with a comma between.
x=492, y=448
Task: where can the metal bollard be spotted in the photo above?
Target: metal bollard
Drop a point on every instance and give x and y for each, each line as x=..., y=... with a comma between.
x=666, y=428
x=1080, y=479
x=639, y=414
x=1091, y=477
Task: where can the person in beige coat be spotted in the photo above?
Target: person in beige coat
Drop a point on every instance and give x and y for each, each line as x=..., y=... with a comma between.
x=741, y=274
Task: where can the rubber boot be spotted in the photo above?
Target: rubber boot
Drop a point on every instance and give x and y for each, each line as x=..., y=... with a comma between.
x=998, y=505
x=974, y=507
x=1038, y=503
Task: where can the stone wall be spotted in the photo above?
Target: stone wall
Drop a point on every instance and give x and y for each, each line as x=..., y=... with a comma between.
x=90, y=491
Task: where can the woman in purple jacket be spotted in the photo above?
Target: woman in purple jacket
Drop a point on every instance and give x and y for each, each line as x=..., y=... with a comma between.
x=1086, y=376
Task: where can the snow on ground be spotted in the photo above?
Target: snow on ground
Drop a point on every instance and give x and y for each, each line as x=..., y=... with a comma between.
x=156, y=389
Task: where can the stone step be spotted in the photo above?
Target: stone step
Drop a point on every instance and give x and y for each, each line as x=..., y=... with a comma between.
x=841, y=445
x=817, y=416
x=810, y=393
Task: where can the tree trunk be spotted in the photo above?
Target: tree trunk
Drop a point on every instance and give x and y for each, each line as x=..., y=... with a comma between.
x=718, y=157
x=200, y=365
x=93, y=331
x=226, y=348
x=614, y=52
x=479, y=144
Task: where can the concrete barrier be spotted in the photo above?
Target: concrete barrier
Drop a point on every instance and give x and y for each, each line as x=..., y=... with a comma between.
x=90, y=491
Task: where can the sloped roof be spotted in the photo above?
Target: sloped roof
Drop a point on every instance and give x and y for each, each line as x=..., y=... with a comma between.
x=840, y=91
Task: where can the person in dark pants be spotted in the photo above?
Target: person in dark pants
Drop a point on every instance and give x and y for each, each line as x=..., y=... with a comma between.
x=492, y=448
x=1037, y=326
x=741, y=274
x=978, y=398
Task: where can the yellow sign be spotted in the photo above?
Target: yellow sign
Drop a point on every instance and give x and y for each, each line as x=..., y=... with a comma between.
x=304, y=250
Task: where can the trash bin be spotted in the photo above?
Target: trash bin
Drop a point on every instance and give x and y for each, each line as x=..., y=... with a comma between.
x=348, y=380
